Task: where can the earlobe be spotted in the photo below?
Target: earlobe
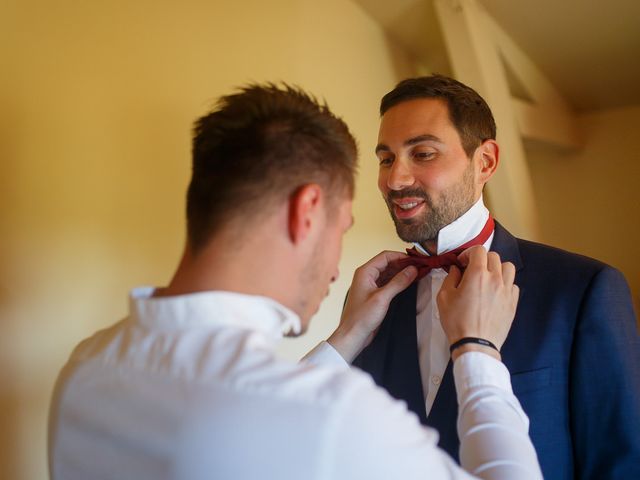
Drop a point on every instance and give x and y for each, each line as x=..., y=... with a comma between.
x=304, y=205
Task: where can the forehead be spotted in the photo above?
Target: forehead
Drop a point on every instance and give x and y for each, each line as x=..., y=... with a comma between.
x=415, y=117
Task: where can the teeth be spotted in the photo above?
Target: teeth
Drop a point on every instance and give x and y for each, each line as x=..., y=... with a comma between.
x=408, y=206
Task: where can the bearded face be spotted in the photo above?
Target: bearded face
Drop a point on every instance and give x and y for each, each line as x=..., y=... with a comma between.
x=435, y=213
x=425, y=175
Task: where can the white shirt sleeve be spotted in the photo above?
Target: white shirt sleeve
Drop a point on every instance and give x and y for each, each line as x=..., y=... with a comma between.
x=492, y=427
x=376, y=437
x=324, y=354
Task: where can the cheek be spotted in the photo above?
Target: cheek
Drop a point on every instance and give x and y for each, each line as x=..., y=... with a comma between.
x=382, y=180
x=439, y=178
x=338, y=253
x=333, y=255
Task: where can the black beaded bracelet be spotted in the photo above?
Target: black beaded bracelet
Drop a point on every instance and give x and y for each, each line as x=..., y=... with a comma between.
x=479, y=341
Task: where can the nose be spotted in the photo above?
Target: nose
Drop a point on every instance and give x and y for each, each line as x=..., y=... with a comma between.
x=400, y=175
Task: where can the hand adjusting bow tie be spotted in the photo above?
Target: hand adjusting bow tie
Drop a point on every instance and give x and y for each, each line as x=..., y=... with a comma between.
x=426, y=263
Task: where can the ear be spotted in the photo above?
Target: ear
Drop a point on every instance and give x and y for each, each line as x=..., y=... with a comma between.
x=488, y=157
x=305, y=207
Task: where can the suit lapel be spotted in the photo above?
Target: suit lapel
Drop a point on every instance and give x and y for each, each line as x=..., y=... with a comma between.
x=401, y=374
x=506, y=245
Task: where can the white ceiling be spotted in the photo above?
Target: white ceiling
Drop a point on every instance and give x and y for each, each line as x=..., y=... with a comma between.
x=589, y=49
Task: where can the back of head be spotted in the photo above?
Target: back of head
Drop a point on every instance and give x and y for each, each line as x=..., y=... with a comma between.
x=469, y=113
x=256, y=148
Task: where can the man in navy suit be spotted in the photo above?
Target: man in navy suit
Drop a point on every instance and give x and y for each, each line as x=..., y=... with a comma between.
x=573, y=351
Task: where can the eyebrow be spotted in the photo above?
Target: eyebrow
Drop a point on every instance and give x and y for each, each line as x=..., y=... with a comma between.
x=381, y=147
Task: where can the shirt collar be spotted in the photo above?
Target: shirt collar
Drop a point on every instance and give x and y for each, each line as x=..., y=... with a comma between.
x=212, y=308
x=461, y=230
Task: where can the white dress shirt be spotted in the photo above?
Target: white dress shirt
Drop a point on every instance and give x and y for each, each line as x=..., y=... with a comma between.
x=433, y=346
x=189, y=387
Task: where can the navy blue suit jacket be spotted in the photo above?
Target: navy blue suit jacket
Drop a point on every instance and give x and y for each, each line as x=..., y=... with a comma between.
x=574, y=356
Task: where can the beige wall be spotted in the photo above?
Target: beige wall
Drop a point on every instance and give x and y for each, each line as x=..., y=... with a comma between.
x=97, y=100
x=589, y=200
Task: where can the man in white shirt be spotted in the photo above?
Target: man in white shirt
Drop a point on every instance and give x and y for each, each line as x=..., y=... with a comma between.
x=188, y=386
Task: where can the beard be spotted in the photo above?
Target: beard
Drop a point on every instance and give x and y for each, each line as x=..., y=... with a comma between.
x=451, y=205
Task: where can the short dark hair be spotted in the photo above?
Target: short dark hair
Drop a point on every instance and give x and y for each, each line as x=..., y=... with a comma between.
x=469, y=113
x=257, y=147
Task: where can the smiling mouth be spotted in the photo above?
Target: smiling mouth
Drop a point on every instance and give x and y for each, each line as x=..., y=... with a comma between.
x=407, y=206
x=404, y=209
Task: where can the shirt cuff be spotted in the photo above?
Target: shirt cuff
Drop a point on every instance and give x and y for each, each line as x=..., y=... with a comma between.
x=324, y=354
x=476, y=369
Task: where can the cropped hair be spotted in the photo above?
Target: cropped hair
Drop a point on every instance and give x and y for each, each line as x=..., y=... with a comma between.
x=468, y=112
x=256, y=148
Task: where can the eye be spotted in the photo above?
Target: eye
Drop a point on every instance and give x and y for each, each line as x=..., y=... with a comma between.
x=424, y=155
x=385, y=161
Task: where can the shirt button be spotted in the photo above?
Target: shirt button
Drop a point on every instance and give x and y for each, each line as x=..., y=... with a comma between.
x=435, y=380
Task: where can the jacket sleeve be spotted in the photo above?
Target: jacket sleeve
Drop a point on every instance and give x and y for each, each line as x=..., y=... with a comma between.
x=605, y=382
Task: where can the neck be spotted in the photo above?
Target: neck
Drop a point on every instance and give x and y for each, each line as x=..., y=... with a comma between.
x=459, y=230
x=227, y=264
x=430, y=246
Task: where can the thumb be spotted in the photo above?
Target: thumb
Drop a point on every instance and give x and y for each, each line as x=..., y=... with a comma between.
x=399, y=282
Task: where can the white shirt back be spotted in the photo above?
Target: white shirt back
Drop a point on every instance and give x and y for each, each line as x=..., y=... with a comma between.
x=189, y=387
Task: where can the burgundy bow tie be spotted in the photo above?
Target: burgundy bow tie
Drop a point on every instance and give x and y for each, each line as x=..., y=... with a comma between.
x=426, y=263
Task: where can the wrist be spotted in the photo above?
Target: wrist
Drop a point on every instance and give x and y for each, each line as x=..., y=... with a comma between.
x=347, y=343
x=474, y=347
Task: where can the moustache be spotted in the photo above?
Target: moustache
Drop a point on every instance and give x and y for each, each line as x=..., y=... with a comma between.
x=407, y=192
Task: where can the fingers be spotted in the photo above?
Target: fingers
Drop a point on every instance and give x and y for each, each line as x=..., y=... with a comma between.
x=473, y=256
x=508, y=273
x=515, y=295
x=398, y=283
x=493, y=262
x=475, y=261
x=381, y=260
x=477, y=258
x=381, y=268
x=463, y=258
x=453, y=279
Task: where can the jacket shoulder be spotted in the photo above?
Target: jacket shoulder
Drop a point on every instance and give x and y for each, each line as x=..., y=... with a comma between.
x=535, y=251
x=551, y=263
